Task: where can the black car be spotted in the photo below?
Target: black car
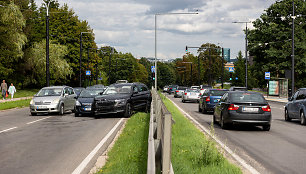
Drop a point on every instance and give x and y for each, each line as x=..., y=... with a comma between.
x=237, y=88
x=78, y=90
x=296, y=106
x=243, y=107
x=85, y=99
x=123, y=98
x=209, y=99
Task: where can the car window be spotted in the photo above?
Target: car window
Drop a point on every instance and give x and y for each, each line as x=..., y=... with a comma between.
x=247, y=97
x=49, y=92
x=66, y=91
x=89, y=93
x=143, y=88
x=295, y=95
x=217, y=92
x=124, y=89
x=301, y=95
x=70, y=90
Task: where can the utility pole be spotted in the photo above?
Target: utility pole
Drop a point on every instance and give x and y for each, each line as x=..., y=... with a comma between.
x=222, y=74
x=292, y=56
x=80, y=79
x=47, y=46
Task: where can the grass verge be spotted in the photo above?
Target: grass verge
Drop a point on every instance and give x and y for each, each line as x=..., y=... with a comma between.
x=129, y=154
x=192, y=152
x=15, y=104
x=25, y=93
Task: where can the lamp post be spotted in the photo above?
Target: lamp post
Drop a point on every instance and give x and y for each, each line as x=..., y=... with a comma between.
x=292, y=56
x=246, y=51
x=47, y=45
x=159, y=14
x=81, y=57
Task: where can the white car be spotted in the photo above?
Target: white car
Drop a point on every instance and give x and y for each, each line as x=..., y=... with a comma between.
x=191, y=95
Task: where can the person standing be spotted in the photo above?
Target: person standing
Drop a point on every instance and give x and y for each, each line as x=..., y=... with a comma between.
x=3, y=89
x=12, y=90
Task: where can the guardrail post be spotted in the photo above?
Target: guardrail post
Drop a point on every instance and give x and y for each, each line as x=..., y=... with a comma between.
x=166, y=149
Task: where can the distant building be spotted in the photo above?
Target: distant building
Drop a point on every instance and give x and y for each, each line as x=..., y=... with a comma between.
x=227, y=54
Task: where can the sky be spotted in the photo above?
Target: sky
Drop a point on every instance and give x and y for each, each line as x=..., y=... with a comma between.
x=128, y=25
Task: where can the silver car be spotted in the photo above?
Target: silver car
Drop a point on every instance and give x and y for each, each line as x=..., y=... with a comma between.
x=191, y=95
x=54, y=99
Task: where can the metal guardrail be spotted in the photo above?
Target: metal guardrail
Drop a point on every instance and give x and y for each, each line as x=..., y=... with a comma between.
x=159, y=141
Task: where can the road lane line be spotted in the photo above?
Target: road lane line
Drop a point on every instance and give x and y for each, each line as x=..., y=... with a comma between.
x=235, y=156
x=38, y=120
x=85, y=162
x=8, y=129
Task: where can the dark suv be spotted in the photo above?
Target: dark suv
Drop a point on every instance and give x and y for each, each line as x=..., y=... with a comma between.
x=296, y=106
x=123, y=98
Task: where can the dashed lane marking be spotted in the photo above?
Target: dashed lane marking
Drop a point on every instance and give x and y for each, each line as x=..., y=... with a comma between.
x=8, y=129
x=38, y=120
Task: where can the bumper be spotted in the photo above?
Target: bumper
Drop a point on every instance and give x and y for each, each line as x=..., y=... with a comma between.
x=188, y=98
x=210, y=107
x=247, y=118
x=108, y=110
x=44, y=108
x=83, y=110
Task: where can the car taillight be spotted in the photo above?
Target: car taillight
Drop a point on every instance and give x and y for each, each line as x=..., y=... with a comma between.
x=200, y=93
x=176, y=91
x=185, y=93
x=233, y=107
x=266, y=108
x=207, y=98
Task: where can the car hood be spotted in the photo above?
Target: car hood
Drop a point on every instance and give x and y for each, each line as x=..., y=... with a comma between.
x=85, y=100
x=113, y=97
x=45, y=99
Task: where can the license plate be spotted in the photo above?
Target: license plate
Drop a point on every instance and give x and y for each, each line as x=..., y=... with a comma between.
x=41, y=107
x=87, y=109
x=244, y=109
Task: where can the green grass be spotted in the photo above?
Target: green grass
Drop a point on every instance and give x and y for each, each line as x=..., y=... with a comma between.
x=129, y=154
x=15, y=104
x=192, y=152
x=24, y=93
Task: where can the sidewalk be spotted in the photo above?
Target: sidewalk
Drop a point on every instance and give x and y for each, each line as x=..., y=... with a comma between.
x=14, y=99
x=276, y=99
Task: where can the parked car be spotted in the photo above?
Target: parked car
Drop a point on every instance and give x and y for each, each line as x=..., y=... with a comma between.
x=237, y=88
x=172, y=88
x=179, y=91
x=123, y=98
x=84, y=101
x=243, y=107
x=209, y=99
x=78, y=90
x=97, y=86
x=54, y=99
x=191, y=95
x=165, y=89
x=203, y=88
x=296, y=106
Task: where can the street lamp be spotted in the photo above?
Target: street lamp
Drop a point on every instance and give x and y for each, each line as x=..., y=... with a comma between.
x=292, y=56
x=159, y=14
x=81, y=57
x=246, y=51
x=47, y=45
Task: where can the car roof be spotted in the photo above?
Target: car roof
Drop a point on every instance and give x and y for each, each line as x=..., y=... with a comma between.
x=52, y=87
x=217, y=89
x=250, y=92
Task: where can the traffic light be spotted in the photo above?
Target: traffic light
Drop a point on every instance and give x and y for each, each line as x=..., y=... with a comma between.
x=231, y=76
x=186, y=49
x=153, y=75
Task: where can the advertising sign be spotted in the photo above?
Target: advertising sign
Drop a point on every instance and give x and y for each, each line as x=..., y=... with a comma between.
x=273, y=87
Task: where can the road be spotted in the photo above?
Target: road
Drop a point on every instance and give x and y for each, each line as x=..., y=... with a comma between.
x=280, y=150
x=48, y=144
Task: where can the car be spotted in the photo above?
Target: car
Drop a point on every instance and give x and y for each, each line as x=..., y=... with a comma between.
x=243, y=107
x=165, y=89
x=78, y=90
x=122, y=81
x=195, y=87
x=54, y=99
x=97, y=86
x=296, y=106
x=237, y=88
x=203, y=88
x=172, y=88
x=191, y=95
x=179, y=91
x=84, y=101
x=209, y=99
x=123, y=99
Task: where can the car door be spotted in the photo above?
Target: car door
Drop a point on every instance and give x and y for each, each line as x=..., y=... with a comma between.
x=71, y=98
x=220, y=106
x=136, y=97
x=65, y=99
x=295, y=105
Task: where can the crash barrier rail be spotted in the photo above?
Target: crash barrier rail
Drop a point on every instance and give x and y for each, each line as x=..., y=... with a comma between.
x=159, y=140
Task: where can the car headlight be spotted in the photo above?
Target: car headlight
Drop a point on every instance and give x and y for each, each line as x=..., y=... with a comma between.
x=119, y=102
x=32, y=102
x=77, y=103
x=55, y=100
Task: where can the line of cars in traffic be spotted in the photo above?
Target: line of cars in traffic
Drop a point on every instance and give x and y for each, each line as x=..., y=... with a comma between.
x=120, y=98
x=233, y=106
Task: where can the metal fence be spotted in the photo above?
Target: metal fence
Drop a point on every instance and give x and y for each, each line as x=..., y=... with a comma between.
x=159, y=141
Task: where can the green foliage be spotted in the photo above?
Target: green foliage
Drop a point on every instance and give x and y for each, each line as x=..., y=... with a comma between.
x=239, y=71
x=15, y=104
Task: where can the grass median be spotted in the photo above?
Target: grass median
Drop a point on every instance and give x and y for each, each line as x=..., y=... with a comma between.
x=15, y=104
x=129, y=154
x=192, y=152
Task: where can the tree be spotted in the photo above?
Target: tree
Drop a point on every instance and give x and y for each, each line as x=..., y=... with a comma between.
x=239, y=71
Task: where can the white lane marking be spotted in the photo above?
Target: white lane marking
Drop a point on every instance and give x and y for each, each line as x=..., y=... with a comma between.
x=235, y=156
x=85, y=162
x=8, y=129
x=38, y=120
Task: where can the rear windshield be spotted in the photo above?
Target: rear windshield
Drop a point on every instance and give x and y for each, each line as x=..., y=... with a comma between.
x=217, y=92
x=247, y=97
x=193, y=90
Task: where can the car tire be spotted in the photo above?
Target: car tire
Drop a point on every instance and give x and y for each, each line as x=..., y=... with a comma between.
x=266, y=127
x=222, y=124
x=76, y=114
x=128, y=110
x=204, y=111
x=287, y=118
x=183, y=101
x=303, y=120
x=200, y=110
x=61, y=111
x=33, y=114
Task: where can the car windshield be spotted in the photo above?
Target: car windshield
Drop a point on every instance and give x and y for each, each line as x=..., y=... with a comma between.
x=90, y=93
x=217, y=92
x=49, y=92
x=247, y=97
x=118, y=90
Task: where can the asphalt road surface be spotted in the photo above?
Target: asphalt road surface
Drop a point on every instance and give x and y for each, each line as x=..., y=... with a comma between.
x=280, y=150
x=47, y=144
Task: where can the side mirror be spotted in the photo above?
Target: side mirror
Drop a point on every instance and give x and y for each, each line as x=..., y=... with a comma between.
x=290, y=99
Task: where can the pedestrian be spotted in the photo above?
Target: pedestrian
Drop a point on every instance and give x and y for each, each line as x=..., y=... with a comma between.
x=12, y=90
x=3, y=89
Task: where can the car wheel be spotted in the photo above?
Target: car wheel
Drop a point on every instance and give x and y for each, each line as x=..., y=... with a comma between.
x=128, y=110
x=204, y=111
x=266, y=127
x=76, y=114
x=200, y=110
x=61, y=111
x=303, y=120
x=183, y=101
x=287, y=118
x=222, y=124
x=33, y=114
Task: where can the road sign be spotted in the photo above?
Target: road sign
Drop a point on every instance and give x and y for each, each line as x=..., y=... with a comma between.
x=100, y=78
x=267, y=75
x=231, y=69
x=152, y=69
x=236, y=78
x=88, y=73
